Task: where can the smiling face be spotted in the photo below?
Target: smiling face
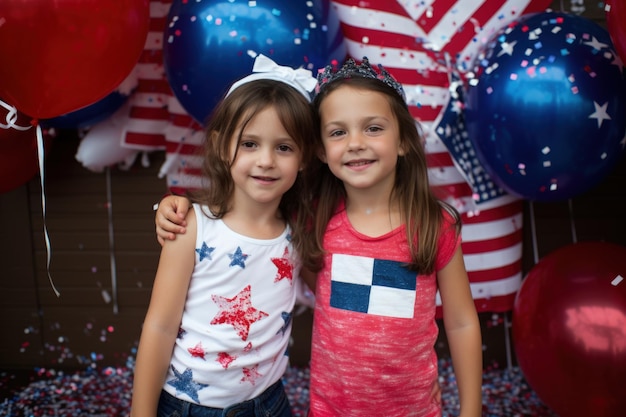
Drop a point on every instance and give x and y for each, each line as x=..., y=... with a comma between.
x=266, y=160
x=361, y=139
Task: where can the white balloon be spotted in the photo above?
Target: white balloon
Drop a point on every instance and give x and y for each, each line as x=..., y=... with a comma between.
x=102, y=145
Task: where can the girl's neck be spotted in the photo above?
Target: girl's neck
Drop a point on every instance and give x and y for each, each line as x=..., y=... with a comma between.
x=372, y=214
x=255, y=222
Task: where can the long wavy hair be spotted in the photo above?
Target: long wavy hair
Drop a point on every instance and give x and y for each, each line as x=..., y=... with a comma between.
x=230, y=118
x=421, y=211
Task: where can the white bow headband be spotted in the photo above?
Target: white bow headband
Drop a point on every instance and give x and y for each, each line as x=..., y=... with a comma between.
x=266, y=69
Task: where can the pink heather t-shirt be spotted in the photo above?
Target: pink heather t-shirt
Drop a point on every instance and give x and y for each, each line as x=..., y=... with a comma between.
x=374, y=326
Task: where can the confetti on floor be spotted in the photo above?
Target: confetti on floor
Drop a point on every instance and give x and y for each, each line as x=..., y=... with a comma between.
x=107, y=392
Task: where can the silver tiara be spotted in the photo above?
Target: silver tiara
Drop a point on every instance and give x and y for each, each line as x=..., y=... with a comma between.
x=350, y=69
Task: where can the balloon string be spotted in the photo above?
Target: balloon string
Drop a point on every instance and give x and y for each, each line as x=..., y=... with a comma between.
x=533, y=232
x=111, y=242
x=507, y=342
x=40, y=154
x=11, y=118
x=571, y=221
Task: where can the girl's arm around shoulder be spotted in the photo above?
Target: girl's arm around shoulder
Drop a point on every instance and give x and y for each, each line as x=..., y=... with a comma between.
x=163, y=318
x=462, y=329
x=170, y=217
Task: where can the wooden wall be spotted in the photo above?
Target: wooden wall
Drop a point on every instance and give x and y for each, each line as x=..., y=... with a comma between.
x=82, y=327
x=43, y=329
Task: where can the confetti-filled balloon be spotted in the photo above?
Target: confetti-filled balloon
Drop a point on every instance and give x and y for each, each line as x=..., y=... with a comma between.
x=209, y=44
x=546, y=109
x=615, y=18
x=569, y=329
x=61, y=55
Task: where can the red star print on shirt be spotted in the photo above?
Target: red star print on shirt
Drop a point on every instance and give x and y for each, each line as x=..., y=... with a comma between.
x=285, y=267
x=238, y=312
x=251, y=374
x=225, y=359
x=197, y=351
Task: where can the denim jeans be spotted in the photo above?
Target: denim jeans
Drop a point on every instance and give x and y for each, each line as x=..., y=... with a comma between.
x=273, y=402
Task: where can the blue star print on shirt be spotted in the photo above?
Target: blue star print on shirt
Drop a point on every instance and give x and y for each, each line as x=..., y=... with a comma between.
x=238, y=258
x=287, y=319
x=205, y=251
x=185, y=384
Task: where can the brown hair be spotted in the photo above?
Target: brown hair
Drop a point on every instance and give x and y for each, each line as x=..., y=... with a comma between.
x=420, y=209
x=234, y=112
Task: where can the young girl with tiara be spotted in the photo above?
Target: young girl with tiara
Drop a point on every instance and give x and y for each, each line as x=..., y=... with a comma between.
x=386, y=245
x=215, y=337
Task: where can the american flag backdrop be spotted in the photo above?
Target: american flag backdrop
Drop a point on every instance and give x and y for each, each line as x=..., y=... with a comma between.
x=157, y=121
x=421, y=43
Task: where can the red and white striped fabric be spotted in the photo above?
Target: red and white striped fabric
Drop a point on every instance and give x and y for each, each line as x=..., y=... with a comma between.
x=149, y=115
x=157, y=121
x=410, y=38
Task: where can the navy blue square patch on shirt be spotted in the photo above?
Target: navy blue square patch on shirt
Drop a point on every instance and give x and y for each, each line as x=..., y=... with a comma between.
x=393, y=274
x=346, y=296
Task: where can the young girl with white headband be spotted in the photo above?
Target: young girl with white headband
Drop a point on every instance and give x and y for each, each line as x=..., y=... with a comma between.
x=215, y=337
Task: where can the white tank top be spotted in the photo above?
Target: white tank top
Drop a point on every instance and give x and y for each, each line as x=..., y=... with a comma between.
x=235, y=329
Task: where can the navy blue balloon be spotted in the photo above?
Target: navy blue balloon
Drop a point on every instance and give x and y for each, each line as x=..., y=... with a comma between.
x=546, y=112
x=89, y=115
x=209, y=44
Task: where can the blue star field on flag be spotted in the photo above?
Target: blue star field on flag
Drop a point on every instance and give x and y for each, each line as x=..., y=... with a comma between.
x=453, y=133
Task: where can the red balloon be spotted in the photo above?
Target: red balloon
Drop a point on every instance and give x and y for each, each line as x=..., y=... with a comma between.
x=19, y=159
x=61, y=55
x=569, y=330
x=615, y=18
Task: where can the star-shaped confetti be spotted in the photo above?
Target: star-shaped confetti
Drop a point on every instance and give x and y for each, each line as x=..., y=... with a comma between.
x=600, y=114
x=238, y=258
x=181, y=333
x=507, y=48
x=205, y=252
x=238, y=312
x=185, y=384
x=596, y=44
x=285, y=267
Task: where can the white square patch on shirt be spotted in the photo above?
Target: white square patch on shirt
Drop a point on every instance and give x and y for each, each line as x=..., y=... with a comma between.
x=391, y=302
